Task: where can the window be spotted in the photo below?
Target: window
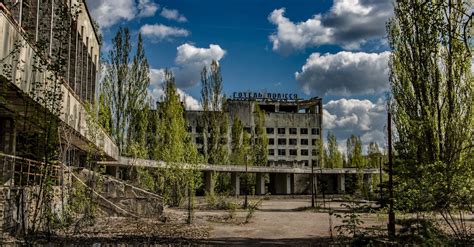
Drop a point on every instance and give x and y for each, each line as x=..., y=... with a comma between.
x=199, y=129
x=304, y=141
x=282, y=141
x=281, y=131
x=314, y=152
x=271, y=152
x=314, y=163
x=270, y=130
x=293, y=142
x=304, y=131
x=293, y=131
x=190, y=129
x=271, y=141
x=281, y=152
x=199, y=140
x=315, y=131
x=314, y=141
x=304, y=152
x=248, y=130
x=293, y=152
x=306, y=162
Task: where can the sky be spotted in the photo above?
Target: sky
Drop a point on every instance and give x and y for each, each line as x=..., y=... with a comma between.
x=336, y=50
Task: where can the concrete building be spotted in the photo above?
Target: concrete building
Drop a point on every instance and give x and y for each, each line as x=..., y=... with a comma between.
x=293, y=127
x=37, y=37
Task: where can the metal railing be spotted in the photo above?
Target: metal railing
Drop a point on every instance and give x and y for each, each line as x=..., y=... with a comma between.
x=18, y=171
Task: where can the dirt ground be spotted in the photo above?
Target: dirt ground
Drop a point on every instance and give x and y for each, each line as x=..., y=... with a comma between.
x=279, y=221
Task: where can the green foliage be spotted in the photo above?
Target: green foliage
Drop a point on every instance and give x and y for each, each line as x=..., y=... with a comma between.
x=332, y=157
x=174, y=147
x=237, y=144
x=432, y=90
x=251, y=208
x=260, y=146
x=351, y=223
x=125, y=91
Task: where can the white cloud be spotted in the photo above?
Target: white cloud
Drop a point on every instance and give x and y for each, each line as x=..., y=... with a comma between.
x=191, y=60
x=173, y=14
x=362, y=118
x=345, y=73
x=147, y=8
x=157, y=77
x=348, y=23
x=159, y=32
x=108, y=13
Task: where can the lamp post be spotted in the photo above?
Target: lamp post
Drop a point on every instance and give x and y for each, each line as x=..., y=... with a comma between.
x=246, y=182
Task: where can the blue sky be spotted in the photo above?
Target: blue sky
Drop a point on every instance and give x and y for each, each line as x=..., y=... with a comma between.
x=332, y=49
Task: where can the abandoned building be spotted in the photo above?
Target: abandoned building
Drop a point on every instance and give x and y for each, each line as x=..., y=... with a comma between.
x=49, y=66
x=292, y=126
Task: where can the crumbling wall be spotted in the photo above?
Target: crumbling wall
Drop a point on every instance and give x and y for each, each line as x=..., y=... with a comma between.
x=121, y=199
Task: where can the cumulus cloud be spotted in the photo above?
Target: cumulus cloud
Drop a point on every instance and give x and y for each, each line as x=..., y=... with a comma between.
x=157, y=77
x=362, y=118
x=173, y=14
x=159, y=32
x=108, y=13
x=349, y=23
x=345, y=73
x=191, y=60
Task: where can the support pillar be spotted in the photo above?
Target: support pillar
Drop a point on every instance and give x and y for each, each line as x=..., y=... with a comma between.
x=209, y=181
x=292, y=183
x=283, y=183
x=341, y=183
x=235, y=181
x=368, y=182
x=260, y=190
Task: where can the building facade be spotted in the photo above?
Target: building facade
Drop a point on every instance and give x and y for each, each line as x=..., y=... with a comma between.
x=49, y=49
x=293, y=126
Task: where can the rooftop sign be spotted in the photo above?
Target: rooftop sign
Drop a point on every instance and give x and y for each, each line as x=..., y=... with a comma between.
x=264, y=96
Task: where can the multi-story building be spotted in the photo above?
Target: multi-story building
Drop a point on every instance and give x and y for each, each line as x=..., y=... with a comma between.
x=49, y=49
x=293, y=125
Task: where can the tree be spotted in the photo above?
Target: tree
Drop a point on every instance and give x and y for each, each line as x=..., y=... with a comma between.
x=333, y=157
x=175, y=146
x=125, y=87
x=354, y=152
x=216, y=150
x=237, y=149
x=432, y=89
x=260, y=146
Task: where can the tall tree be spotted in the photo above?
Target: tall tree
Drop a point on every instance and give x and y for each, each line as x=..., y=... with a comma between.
x=174, y=146
x=354, y=152
x=260, y=146
x=237, y=149
x=216, y=150
x=432, y=90
x=125, y=87
x=333, y=157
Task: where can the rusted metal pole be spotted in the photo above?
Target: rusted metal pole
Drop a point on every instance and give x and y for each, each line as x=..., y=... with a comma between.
x=391, y=214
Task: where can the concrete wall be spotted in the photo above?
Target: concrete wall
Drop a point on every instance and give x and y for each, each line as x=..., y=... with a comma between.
x=20, y=55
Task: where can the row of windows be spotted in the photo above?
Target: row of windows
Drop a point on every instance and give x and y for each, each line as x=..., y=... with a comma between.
x=293, y=131
x=291, y=141
x=290, y=163
x=291, y=152
x=62, y=41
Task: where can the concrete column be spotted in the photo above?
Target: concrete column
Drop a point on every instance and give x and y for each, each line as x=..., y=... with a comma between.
x=283, y=183
x=235, y=181
x=260, y=190
x=209, y=181
x=341, y=183
x=315, y=183
x=368, y=182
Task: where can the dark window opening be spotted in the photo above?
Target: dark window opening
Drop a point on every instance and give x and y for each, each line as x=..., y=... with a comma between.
x=271, y=152
x=293, y=131
x=281, y=152
x=293, y=152
x=267, y=108
x=270, y=130
x=304, y=152
x=281, y=141
x=281, y=131
x=271, y=141
x=304, y=131
x=304, y=141
x=293, y=142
